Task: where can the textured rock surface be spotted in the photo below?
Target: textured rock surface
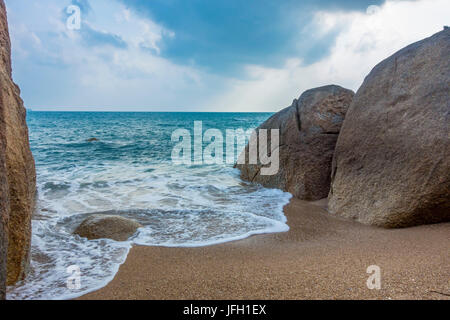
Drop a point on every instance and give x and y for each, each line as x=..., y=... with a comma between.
x=4, y=213
x=308, y=133
x=99, y=226
x=392, y=161
x=20, y=171
x=4, y=189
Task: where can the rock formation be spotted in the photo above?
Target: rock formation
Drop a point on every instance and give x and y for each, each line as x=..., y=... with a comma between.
x=17, y=172
x=4, y=213
x=100, y=226
x=308, y=132
x=391, y=167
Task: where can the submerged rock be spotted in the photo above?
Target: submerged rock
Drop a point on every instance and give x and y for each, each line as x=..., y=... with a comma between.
x=308, y=133
x=92, y=140
x=100, y=226
x=392, y=162
x=17, y=171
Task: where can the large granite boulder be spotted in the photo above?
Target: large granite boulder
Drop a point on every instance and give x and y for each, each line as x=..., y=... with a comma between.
x=308, y=132
x=101, y=226
x=17, y=174
x=392, y=162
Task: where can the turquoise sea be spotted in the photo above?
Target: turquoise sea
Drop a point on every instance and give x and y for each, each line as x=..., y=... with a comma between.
x=128, y=171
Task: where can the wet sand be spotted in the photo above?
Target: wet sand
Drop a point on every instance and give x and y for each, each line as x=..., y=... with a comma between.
x=321, y=257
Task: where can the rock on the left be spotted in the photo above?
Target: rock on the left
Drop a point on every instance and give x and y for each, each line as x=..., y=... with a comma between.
x=17, y=172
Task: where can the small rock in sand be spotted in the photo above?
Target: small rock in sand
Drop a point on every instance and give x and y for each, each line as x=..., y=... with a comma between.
x=100, y=226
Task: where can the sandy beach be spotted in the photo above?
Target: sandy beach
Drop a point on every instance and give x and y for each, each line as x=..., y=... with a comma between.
x=321, y=257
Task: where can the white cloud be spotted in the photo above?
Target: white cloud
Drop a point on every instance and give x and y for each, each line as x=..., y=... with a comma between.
x=136, y=77
x=364, y=40
x=104, y=76
x=99, y=76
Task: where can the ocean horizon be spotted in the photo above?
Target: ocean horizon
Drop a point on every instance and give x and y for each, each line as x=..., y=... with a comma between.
x=146, y=111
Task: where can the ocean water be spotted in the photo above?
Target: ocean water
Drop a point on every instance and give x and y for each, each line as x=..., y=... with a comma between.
x=129, y=172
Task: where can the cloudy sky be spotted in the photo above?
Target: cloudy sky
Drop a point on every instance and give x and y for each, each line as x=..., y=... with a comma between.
x=204, y=55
